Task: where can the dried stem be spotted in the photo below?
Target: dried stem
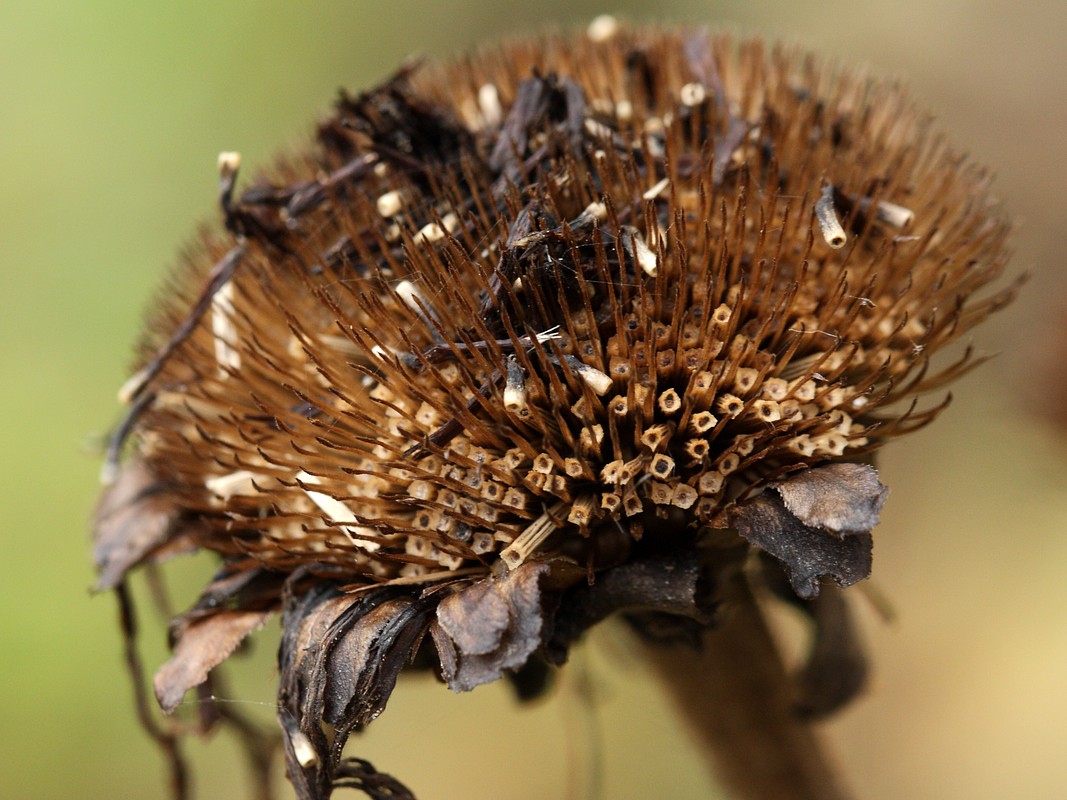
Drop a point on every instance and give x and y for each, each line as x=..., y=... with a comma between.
x=738, y=700
x=167, y=739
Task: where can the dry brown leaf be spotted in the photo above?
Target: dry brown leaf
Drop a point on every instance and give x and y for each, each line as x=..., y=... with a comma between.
x=340, y=657
x=665, y=590
x=838, y=498
x=477, y=617
x=489, y=627
x=354, y=658
x=133, y=519
x=806, y=553
x=204, y=644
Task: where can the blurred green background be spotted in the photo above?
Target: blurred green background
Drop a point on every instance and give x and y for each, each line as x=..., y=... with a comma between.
x=112, y=115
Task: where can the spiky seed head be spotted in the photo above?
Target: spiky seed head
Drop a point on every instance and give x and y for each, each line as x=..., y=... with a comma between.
x=549, y=305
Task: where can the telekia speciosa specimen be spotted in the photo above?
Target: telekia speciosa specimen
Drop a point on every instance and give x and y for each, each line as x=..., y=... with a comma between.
x=571, y=327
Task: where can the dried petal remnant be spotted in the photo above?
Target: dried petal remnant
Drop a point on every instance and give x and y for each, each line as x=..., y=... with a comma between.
x=136, y=519
x=493, y=626
x=840, y=498
x=531, y=318
x=807, y=553
x=202, y=647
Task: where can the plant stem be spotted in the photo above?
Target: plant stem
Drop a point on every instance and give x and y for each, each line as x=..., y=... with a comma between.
x=738, y=700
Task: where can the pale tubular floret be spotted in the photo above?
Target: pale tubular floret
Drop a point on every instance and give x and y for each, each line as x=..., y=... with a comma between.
x=337, y=512
x=224, y=331
x=232, y=483
x=389, y=204
x=656, y=190
x=635, y=246
x=532, y=537
x=692, y=94
x=302, y=748
x=492, y=113
x=829, y=224
x=515, y=400
x=435, y=231
x=599, y=382
x=602, y=28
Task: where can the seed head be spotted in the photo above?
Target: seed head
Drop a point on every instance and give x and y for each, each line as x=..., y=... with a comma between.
x=521, y=328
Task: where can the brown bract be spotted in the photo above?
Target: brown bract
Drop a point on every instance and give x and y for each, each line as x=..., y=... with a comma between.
x=515, y=323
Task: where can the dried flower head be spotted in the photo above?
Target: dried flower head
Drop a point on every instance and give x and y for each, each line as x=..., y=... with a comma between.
x=563, y=328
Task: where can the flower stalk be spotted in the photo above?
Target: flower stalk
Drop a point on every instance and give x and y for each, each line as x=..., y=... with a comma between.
x=739, y=702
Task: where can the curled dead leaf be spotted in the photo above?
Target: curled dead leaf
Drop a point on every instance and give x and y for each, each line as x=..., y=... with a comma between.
x=490, y=627
x=806, y=553
x=839, y=498
x=237, y=586
x=340, y=657
x=202, y=645
x=134, y=518
x=674, y=587
x=363, y=664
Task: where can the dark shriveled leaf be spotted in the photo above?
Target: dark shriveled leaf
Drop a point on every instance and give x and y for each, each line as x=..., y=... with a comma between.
x=340, y=658
x=350, y=654
x=203, y=644
x=235, y=586
x=363, y=665
x=306, y=617
x=806, y=553
x=489, y=627
x=835, y=669
x=668, y=596
x=134, y=518
x=476, y=617
x=839, y=498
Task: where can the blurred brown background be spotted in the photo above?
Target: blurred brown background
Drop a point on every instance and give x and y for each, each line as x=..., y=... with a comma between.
x=112, y=115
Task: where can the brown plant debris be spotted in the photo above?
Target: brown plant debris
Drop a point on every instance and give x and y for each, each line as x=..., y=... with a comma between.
x=492, y=626
x=555, y=331
x=839, y=498
x=201, y=646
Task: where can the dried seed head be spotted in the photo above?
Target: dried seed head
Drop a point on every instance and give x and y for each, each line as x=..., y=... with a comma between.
x=525, y=318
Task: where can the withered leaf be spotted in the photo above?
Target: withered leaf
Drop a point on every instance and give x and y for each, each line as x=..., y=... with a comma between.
x=306, y=616
x=314, y=626
x=340, y=657
x=363, y=665
x=348, y=656
x=489, y=627
x=839, y=498
x=835, y=668
x=237, y=586
x=404, y=125
x=806, y=553
x=309, y=635
x=134, y=518
x=203, y=644
x=669, y=587
x=476, y=617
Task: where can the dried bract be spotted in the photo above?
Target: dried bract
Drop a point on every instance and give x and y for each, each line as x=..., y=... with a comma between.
x=518, y=326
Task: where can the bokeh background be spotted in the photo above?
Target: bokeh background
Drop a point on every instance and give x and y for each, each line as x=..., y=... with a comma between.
x=111, y=115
